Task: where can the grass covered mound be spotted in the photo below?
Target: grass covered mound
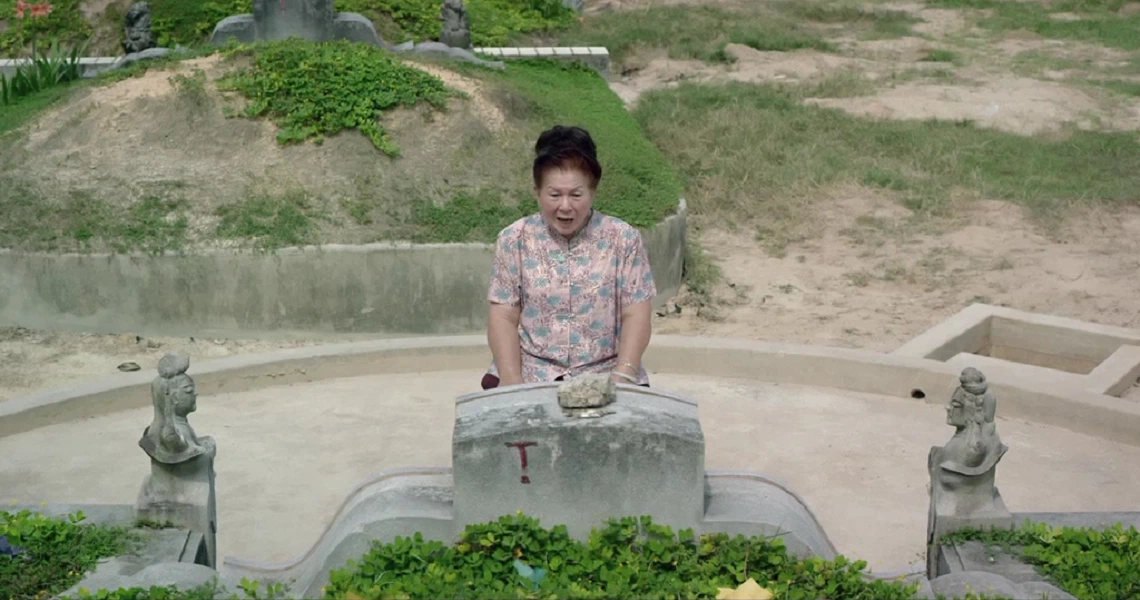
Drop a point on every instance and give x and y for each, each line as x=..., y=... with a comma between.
x=51, y=555
x=629, y=558
x=1090, y=564
x=293, y=143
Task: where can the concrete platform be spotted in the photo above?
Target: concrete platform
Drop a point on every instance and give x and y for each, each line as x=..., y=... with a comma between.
x=290, y=453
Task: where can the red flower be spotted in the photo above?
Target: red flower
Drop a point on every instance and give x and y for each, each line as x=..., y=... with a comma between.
x=42, y=9
x=21, y=7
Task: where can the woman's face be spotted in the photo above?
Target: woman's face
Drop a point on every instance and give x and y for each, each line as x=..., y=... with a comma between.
x=565, y=198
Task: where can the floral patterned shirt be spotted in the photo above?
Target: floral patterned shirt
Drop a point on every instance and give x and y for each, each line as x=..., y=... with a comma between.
x=571, y=292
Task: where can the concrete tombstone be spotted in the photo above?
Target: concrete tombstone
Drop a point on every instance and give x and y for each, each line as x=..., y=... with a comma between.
x=516, y=449
x=312, y=20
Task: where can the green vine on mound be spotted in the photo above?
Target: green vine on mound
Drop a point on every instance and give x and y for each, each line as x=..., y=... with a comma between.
x=628, y=558
x=312, y=90
x=1090, y=564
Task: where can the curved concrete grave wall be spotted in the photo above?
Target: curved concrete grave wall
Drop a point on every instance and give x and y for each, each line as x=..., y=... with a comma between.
x=932, y=381
x=375, y=288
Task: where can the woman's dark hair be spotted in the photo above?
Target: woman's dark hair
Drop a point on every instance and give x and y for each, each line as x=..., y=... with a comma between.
x=564, y=147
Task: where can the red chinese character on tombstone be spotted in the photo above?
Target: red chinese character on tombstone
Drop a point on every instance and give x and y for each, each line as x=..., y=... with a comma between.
x=522, y=446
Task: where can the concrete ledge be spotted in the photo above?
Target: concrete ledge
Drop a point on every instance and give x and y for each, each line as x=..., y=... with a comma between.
x=1071, y=354
x=596, y=58
x=384, y=288
x=88, y=66
x=854, y=370
x=1117, y=373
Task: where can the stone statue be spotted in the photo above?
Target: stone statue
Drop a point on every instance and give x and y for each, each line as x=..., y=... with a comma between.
x=180, y=487
x=963, y=470
x=456, y=25
x=138, y=35
x=962, y=489
x=169, y=438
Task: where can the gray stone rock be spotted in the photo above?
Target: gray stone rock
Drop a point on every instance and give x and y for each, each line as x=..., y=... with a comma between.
x=576, y=5
x=456, y=30
x=444, y=51
x=958, y=585
x=404, y=47
x=138, y=36
x=591, y=390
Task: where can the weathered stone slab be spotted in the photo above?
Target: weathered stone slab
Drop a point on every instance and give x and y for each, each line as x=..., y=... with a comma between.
x=159, y=547
x=238, y=28
x=515, y=449
x=312, y=20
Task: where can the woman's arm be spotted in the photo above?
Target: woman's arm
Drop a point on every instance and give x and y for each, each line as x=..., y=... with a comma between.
x=636, y=291
x=503, y=338
x=636, y=328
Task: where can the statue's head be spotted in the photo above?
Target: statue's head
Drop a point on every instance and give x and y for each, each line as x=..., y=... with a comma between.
x=136, y=12
x=966, y=403
x=180, y=393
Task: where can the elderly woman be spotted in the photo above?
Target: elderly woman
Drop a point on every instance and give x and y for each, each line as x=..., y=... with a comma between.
x=571, y=288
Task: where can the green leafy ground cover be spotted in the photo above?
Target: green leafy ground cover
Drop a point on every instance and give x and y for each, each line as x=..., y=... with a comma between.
x=316, y=90
x=1088, y=563
x=56, y=552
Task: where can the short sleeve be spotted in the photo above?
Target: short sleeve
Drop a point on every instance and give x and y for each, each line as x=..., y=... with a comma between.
x=635, y=279
x=505, y=282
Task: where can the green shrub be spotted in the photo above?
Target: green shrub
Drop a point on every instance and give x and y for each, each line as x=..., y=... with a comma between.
x=1090, y=564
x=312, y=90
x=628, y=558
x=57, y=552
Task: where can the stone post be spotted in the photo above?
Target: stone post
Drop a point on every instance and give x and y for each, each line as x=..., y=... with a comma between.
x=962, y=473
x=180, y=488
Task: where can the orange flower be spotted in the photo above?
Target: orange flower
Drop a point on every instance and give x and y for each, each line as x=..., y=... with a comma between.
x=42, y=9
x=21, y=7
